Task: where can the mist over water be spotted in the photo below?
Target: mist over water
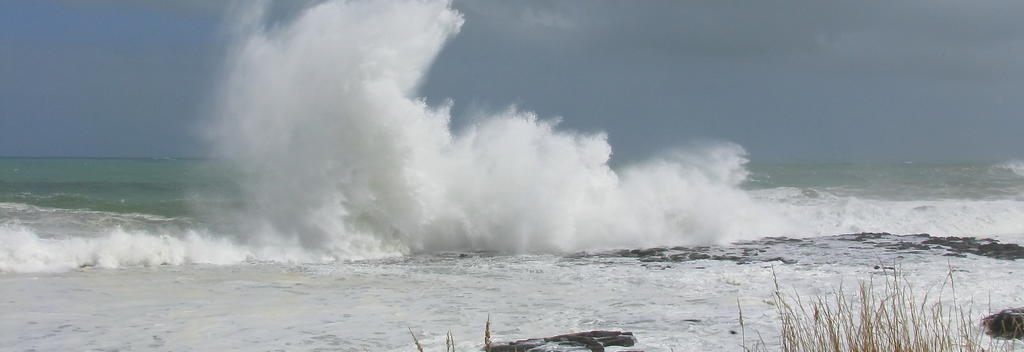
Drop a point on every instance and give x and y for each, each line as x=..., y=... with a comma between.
x=344, y=159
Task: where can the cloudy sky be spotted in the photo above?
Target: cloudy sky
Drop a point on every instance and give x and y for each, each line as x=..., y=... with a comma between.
x=787, y=79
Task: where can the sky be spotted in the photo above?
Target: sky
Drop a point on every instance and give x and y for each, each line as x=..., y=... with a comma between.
x=894, y=80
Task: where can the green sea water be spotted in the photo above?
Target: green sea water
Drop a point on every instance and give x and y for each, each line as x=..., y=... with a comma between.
x=895, y=180
x=180, y=187
x=60, y=214
x=165, y=187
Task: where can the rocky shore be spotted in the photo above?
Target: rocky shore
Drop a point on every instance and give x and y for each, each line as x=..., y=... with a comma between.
x=880, y=250
x=593, y=341
x=787, y=250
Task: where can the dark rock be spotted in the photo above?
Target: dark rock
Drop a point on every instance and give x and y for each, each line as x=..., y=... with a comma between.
x=985, y=247
x=699, y=256
x=1001, y=250
x=865, y=236
x=771, y=249
x=781, y=259
x=1007, y=324
x=648, y=252
x=781, y=239
x=518, y=346
x=904, y=246
x=595, y=341
x=641, y=253
x=686, y=254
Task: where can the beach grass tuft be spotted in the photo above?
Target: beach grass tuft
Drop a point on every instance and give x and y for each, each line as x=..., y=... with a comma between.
x=419, y=347
x=487, y=334
x=880, y=315
x=449, y=342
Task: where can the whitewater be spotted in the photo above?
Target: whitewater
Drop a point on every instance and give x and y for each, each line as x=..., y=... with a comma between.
x=340, y=209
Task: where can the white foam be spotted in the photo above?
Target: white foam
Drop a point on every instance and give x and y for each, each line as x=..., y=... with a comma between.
x=346, y=160
x=689, y=306
x=822, y=213
x=343, y=161
x=1015, y=166
x=710, y=207
x=22, y=250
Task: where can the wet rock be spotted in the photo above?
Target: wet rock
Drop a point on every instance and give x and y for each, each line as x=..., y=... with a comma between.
x=1007, y=324
x=864, y=236
x=783, y=249
x=904, y=246
x=1001, y=250
x=776, y=240
x=985, y=247
x=780, y=259
x=698, y=256
x=594, y=341
x=641, y=253
x=687, y=254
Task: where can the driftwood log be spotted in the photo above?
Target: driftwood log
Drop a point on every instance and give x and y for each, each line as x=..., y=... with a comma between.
x=1007, y=324
x=595, y=341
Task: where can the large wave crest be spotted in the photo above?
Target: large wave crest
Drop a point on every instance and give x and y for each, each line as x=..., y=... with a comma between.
x=343, y=158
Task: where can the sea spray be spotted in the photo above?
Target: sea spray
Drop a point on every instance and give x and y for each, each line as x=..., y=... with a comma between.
x=339, y=159
x=822, y=213
x=1014, y=166
x=343, y=159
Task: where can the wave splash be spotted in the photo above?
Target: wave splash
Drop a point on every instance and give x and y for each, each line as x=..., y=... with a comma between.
x=1014, y=166
x=24, y=250
x=342, y=161
x=345, y=160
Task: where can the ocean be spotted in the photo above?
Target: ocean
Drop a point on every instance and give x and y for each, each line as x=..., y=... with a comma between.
x=84, y=197
x=118, y=254
x=339, y=211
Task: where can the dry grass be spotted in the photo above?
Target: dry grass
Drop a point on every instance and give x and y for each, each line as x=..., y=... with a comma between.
x=487, y=334
x=881, y=315
x=449, y=342
x=449, y=339
x=419, y=347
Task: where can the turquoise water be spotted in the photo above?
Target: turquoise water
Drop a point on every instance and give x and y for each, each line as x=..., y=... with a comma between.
x=894, y=181
x=165, y=187
x=179, y=187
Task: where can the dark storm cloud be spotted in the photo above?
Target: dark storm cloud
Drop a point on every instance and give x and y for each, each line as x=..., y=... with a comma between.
x=870, y=32
x=100, y=79
x=911, y=79
x=176, y=7
x=787, y=79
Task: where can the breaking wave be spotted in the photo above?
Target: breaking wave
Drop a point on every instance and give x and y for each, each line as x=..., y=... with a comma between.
x=344, y=159
x=1015, y=166
x=341, y=160
x=23, y=250
x=817, y=213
